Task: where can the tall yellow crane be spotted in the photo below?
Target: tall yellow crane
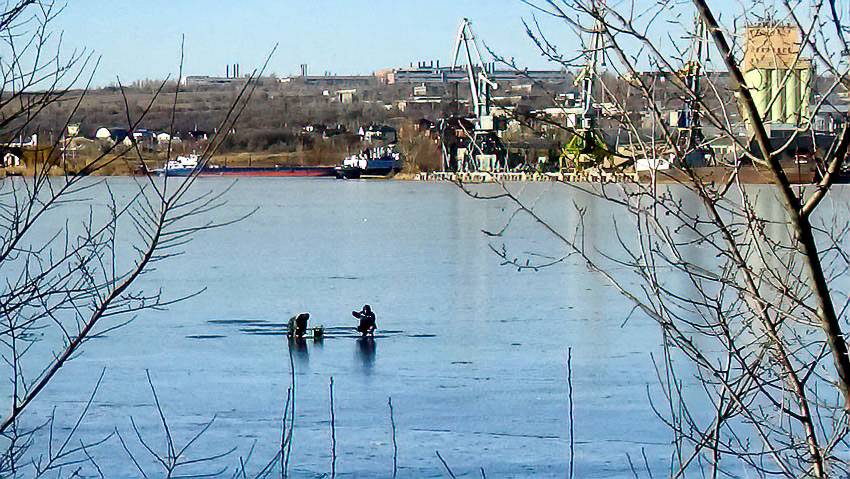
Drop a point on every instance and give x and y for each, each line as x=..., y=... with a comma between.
x=690, y=129
x=586, y=148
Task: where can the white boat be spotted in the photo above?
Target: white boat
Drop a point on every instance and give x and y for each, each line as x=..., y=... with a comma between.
x=180, y=166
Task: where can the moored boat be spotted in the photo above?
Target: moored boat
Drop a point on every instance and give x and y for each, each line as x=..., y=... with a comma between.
x=187, y=165
x=276, y=170
x=381, y=162
x=179, y=166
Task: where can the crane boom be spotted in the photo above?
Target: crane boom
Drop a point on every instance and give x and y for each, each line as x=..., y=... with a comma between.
x=479, y=85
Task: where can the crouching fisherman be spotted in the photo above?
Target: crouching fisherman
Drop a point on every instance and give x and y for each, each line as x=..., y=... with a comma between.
x=367, y=320
x=297, y=326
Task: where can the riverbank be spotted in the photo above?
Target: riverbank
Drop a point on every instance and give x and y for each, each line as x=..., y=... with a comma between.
x=125, y=164
x=130, y=163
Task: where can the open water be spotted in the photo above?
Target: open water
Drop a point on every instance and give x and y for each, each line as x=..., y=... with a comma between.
x=473, y=354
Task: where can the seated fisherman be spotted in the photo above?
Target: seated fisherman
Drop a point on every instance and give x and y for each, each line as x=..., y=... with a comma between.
x=367, y=320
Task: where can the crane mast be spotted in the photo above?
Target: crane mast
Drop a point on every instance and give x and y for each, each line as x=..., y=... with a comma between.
x=586, y=149
x=691, y=136
x=479, y=83
x=484, y=150
x=593, y=60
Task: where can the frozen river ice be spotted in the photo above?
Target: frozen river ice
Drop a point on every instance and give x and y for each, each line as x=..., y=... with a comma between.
x=473, y=354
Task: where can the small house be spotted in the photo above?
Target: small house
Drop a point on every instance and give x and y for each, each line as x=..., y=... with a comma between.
x=346, y=96
x=112, y=135
x=384, y=133
x=199, y=135
x=11, y=157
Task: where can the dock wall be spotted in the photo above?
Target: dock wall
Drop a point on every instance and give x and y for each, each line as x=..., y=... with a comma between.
x=501, y=177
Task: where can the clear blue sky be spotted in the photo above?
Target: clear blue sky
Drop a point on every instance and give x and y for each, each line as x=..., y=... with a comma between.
x=141, y=39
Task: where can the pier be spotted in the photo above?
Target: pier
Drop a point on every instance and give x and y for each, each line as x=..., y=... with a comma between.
x=524, y=176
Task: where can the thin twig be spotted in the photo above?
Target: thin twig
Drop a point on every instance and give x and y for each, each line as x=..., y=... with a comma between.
x=333, y=432
x=395, y=444
x=452, y=474
x=570, y=400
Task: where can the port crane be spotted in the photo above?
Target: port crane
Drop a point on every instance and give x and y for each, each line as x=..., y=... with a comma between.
x=690, y=129
x=485, y=150
x=480, y=84
x=587, y=148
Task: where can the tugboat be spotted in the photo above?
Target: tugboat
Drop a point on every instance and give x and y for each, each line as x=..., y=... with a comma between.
x=378, y=162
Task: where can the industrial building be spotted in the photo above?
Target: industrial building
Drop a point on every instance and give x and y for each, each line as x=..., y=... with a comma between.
x=431, y=72
x=779, y=79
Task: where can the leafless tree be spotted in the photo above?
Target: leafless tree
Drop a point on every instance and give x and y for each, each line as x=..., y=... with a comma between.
x=69, y=278
x=35, y=72
x=746, y=282
x=177, y=460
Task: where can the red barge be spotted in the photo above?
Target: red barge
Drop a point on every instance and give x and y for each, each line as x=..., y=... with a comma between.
x=187, y=165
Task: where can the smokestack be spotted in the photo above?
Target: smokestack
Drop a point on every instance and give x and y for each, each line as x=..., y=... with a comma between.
x=227, y=72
